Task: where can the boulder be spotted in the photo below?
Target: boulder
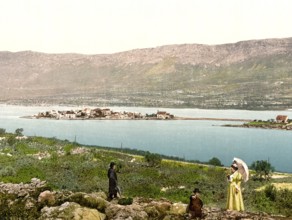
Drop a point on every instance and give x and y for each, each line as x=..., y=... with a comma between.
x=70, y=210
x=130, y=212
x=92, y=200
x=47, y=197
x=162, y=207
x=178, y=208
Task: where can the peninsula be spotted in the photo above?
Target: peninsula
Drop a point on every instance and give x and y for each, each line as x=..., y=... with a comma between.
x=281, y=123
x=108, y=114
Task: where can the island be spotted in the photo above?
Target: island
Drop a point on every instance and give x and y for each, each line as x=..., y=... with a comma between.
x=101, y=113
x=108, y=114
x=281, y=122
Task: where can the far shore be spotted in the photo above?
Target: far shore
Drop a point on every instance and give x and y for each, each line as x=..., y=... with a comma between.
x=213, y=119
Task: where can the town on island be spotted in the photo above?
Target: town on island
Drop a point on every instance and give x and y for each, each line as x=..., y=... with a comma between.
x=99, y=113
x=281, y=122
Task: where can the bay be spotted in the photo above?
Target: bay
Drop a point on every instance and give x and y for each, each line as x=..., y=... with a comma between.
x=193, y=140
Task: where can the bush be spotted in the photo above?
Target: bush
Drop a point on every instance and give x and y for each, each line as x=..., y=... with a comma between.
x=215, y=162
x=272, y=200
x=2, y=131
x=7, y=171
x=25, y=174
x=271, y=192
x=11, y=140
x=261, y=202
x=284, y=202
x=153, y=160
x=23, y=148
x=125, y=201
x=68, y=148
x=263, y=169
x=19, y=131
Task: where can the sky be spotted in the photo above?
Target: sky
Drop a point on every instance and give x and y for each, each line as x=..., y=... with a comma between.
x=110, y=26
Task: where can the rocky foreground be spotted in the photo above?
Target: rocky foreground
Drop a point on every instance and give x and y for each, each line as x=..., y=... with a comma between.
x=35, y=200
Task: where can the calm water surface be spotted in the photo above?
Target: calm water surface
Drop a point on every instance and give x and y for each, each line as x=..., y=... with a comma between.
x=196, y=140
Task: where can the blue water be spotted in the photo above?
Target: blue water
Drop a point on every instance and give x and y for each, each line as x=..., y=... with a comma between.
x=195, y=140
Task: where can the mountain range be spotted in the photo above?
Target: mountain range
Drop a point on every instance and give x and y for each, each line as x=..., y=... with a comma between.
x=255, y=74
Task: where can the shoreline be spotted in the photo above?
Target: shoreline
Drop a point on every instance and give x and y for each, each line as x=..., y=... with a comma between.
x=213, y=119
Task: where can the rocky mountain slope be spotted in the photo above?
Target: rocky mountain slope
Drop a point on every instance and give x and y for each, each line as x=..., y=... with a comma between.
x=253, y=74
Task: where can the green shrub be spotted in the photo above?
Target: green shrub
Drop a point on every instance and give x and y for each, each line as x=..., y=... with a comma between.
x=125, y=201
x=284, y=202
x=2, y=131
x=271, y=192
x=263, y=169
x=261, y=202
x=11, y=140
x=25, y=174
x=19, y=131
x=215, y=162
x=68, y=148
x=153, y=159
x=24, y=148
x=7, y=171
x=45, y=141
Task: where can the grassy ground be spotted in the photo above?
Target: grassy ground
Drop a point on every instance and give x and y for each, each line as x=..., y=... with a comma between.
x=69, y=166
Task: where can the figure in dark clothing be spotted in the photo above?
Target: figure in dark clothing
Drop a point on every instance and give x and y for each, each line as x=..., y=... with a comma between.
x=196, y=205
x=113, y=181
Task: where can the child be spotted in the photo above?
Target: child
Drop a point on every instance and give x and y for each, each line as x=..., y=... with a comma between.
x=196, y=204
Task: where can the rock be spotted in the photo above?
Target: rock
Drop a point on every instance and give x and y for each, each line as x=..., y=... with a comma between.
x=93, y=200
x=47, y=198
x=70, y=210
x=131, y=212
x=178, y=208
x=163, y=207
x=88, y=214
x=25, y=200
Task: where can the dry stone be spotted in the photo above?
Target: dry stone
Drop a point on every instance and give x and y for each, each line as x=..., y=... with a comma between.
x=70, y=210
x=33, y=201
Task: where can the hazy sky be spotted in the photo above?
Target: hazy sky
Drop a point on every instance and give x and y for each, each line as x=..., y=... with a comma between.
x=108, y=26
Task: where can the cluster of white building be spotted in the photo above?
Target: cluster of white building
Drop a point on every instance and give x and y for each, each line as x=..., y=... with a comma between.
x=99, y=113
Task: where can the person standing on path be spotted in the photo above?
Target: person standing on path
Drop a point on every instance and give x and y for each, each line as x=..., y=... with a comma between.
x=113, y=181
x=234, y=196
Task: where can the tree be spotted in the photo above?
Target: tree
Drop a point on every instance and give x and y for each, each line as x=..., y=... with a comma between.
x=2, y=131
x=263, y=169
x=19, y=131
x=11, y=140
x=215, y=162
x=153, y=159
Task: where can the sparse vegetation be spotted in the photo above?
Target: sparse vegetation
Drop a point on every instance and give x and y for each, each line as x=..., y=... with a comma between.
x=69, y=166
x=19, y=131
x=263, y=169
x=153, y=160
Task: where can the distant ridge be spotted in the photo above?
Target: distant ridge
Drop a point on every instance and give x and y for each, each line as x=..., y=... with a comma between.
x=255, y=74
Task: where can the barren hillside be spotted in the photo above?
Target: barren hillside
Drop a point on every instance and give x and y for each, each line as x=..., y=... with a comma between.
x=253, y=74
